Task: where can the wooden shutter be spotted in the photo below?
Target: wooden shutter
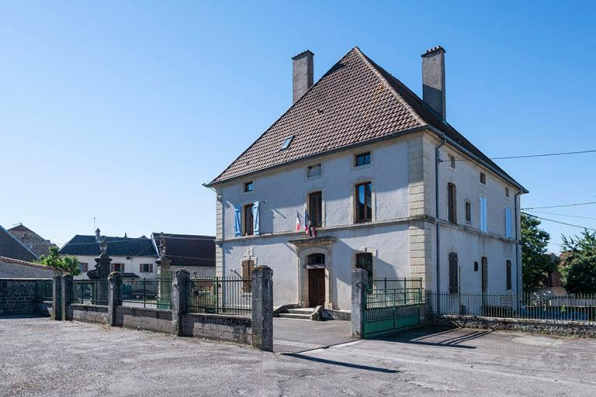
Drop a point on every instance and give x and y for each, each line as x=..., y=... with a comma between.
x=247, y=268
x=453, y=281
x=508, y=222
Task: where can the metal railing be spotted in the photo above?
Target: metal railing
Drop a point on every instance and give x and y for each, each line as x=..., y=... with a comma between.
x=94, y=292
x=152, y=294
x=44, y=290
x=382, y=293
x=220, y=295
x=537, y=306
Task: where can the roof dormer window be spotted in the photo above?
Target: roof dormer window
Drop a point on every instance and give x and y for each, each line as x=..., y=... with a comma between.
x=286, y=143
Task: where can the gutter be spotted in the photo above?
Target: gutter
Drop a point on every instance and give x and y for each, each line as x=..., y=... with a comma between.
x=438, y=227
x=517, y=243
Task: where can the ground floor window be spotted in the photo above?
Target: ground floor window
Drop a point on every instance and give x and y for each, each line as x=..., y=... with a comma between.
x=146, y=268
x=118, y=267
x=453, y=273
x=508, y=270
x=365, y=261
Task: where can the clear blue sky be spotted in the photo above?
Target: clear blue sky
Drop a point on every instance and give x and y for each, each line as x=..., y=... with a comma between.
x=121, y=110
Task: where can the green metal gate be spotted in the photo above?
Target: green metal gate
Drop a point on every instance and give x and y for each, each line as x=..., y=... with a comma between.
x=391, y=305
x=164, y=295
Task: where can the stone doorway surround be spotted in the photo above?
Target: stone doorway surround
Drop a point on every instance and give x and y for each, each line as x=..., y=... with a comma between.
x=304, y=248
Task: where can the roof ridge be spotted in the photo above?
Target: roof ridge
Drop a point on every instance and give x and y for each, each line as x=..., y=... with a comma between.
x=374, y=69
x=27, y=263
x=19, y=242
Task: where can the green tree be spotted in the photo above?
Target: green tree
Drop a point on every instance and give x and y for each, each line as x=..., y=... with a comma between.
x=579, y=263
x=536, y=264
x=68, y=264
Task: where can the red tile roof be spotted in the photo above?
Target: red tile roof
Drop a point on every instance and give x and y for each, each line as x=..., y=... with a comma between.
x=355, y=102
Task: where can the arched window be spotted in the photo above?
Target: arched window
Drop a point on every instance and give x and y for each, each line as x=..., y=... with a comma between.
x=451, y=203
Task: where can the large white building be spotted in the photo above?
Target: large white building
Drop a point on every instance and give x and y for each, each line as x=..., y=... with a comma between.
x=389, y=185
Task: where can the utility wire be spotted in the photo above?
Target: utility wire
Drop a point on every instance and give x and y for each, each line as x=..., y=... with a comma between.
x=526, y=156
x=568, y=215
x=562, y=223
x=558, y=206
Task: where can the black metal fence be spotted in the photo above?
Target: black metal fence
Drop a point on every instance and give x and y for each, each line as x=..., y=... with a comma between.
x=94, y=292
x=153, y=294
x=220, y=295
x=44, y=290
x=537, y=306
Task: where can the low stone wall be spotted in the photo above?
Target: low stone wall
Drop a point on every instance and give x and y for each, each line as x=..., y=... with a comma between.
x=584, y=329
x=17, y=296
x=143, y=318
x=87, y=313
x=213, y=326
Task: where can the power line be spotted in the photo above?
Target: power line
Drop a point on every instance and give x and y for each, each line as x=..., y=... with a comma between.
x=526, y=156
x=568, y=215
x=562, y=223
x=199, y=218
x=559, y=206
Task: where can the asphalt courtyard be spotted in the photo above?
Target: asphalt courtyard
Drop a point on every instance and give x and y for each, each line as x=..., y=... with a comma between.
x=40, y=357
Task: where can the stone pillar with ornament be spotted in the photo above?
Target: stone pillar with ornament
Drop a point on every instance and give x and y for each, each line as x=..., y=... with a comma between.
x=100, y=274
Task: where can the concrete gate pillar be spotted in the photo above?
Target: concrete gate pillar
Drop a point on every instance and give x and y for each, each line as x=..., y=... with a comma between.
x=56, y=294
x=66, y=295
x=359, y=287
x=180, y=295
x=114, y=296
x=262, y=308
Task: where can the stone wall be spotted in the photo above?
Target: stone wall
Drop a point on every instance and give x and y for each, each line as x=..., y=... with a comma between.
x=145, y=319
x=584, y=329
x=87, y=313
x=213, y=326
x=17, y=296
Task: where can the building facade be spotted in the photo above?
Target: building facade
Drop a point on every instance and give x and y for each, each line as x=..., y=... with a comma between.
x=31, y=240
x=386, y=184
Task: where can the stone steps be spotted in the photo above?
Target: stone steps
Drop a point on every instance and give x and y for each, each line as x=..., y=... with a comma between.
x=295, y=316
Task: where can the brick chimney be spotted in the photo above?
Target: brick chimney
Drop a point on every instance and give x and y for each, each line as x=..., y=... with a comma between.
x=302, y=73
x=433, y=80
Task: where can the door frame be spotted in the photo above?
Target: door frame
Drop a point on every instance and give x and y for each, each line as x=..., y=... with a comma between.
x=303, y=289
x=319, y=272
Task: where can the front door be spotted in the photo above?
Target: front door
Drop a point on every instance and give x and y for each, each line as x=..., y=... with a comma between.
x=316, y=287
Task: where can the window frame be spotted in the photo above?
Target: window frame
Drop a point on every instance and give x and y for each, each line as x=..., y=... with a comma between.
x=453, y=273
x=246, y=185
x=119, y=264
x=451, y=161
x=287, y=142
x=316, y=221
x=483, y=178
x=246, y=225
x=368, y=217
x=508, y=275
x=468, y=212
x=150, y=267
x=452, y=203
x=366, y=155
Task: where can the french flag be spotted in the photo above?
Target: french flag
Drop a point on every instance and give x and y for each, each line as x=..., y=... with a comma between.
x=306, y=222
x=298, y=225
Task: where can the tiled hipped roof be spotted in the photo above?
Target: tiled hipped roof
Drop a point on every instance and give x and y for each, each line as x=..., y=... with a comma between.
x=355, y=102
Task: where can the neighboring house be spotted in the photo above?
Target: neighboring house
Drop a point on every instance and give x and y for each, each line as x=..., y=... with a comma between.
x=11, y=247
x=31, y=240
x=133, y=257
x=196, y=254
x=359, y=150
x=15, y=268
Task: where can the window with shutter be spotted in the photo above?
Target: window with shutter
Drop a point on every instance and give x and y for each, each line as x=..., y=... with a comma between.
x=508, y=233
x=483, y=214
x=248, y=221
x=247, y=268
x=453, y=273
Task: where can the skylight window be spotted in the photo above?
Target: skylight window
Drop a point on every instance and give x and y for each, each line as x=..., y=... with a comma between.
x=287, y=143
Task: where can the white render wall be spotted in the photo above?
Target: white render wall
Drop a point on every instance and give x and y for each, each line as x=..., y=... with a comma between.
x=283, y=194
x=131, y=265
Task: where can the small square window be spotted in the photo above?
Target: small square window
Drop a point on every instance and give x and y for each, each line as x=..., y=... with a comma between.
x=287, y=142
x=248, y=187
x=483, y=178
x=362, y=159
x=506, y=192
x=452, y=161
x=313, y=170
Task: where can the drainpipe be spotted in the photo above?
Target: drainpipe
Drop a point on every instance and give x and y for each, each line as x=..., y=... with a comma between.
x=517, y=243
x=438, y=232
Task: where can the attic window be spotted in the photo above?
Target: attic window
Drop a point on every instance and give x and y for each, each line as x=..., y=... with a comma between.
x=287, y=143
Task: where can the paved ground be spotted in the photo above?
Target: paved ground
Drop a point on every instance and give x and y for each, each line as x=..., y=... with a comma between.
x=292, y=336
x=39, y=357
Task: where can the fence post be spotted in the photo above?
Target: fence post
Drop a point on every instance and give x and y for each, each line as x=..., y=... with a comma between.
x=262, y=308
x=56, y=293
x=180, y=284
x=114, y=296
x=359, y=288
x=66, y=294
